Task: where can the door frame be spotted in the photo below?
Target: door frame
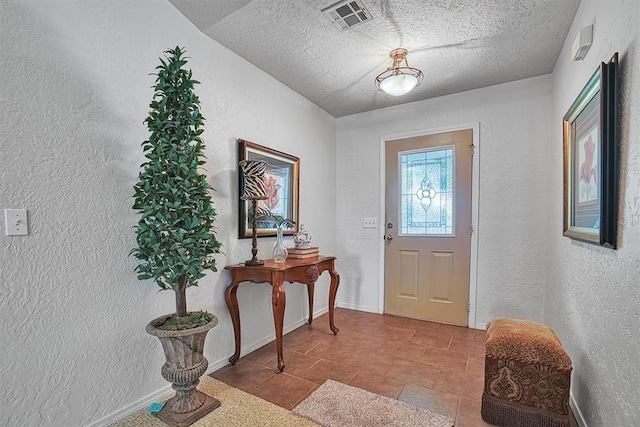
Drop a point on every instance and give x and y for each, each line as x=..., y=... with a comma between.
x=475, y=187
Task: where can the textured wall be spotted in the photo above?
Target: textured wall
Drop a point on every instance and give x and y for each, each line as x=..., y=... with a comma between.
x=593, y=294
x=75, y=88
x=512, y=209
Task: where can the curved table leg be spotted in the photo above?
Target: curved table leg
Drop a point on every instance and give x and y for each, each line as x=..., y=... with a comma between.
x=232, y=304
x=278, y=302
x=333, y=290
x=310, y=291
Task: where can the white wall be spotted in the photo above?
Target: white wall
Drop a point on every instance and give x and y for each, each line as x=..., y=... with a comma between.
x=593, y=294
x=514, y=131
x=75, y=89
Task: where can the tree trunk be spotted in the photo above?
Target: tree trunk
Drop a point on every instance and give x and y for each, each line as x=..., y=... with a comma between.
x=181, y=297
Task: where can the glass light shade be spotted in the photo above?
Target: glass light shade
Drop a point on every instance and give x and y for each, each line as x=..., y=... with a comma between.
x=398, y=84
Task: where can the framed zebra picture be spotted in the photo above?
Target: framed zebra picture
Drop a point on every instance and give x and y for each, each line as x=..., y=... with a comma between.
x=281, y=180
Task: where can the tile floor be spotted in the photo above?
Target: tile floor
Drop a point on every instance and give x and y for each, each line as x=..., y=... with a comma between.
x=433, y=366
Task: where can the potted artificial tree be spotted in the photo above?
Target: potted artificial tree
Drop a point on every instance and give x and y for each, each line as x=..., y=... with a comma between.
x=175, y=234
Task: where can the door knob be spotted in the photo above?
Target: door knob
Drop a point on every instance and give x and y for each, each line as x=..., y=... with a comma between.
x=389, y=237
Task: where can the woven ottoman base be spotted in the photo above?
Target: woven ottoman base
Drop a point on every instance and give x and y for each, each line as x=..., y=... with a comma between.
x=501, y=413
x=527, y=376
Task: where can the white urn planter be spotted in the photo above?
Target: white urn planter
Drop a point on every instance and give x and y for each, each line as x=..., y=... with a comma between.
x=185, y=364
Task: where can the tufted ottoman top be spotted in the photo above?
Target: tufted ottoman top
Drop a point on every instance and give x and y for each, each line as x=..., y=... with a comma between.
x=527, y=342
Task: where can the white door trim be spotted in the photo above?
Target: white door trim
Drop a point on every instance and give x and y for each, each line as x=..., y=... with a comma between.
x=475, y=187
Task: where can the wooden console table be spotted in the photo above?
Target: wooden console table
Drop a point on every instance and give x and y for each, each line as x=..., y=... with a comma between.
x=305, y=271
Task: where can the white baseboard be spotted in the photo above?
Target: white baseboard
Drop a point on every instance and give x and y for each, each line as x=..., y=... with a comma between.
x=358, y=307
x=482, y=326
x=576, y=411
x=213, y=366
x=131, y=408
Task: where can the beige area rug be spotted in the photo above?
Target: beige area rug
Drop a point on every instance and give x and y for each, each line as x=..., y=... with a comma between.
x=237, y=409
x=338, y=405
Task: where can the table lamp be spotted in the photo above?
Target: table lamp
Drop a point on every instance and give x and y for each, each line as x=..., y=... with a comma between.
x=254, y=190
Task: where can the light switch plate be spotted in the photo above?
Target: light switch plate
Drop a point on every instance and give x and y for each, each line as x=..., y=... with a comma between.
x=370, y=223
x=15, y=222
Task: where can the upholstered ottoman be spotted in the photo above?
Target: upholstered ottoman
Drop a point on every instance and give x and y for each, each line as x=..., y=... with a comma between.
x=527, y=375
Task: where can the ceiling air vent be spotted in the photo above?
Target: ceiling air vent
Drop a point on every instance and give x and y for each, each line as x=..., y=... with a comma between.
x=347, y=14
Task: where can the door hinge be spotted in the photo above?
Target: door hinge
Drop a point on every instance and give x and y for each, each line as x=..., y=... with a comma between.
x=470, y=229
x=473, y=150
x=468, y=306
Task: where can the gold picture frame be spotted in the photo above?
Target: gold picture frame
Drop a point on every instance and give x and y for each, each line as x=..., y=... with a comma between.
x=282, y=179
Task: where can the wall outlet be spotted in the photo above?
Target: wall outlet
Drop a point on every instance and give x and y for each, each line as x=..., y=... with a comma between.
x=370, y=223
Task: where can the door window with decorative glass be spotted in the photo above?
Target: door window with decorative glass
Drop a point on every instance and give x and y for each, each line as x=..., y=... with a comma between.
x=427, y=191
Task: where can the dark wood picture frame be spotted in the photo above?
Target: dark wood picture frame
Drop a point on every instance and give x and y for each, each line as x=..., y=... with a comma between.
x=282, y=180
x=590, y=140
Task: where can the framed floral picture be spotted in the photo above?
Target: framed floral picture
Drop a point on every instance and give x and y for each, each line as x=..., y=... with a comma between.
x=591, y=160
x=281, y=180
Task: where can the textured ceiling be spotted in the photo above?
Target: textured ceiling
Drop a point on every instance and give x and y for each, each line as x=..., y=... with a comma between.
x=458, y=44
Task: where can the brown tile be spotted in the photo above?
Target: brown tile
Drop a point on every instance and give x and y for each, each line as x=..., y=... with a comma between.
x=476, y=364
x=401, y=349
x=431, y=400
x=466, y=346
x=461, y=383
x=338, y=313
x=363, y=315
x=325, y=369
x=426, y=327
x=393, y=332
x=414, y=372
x=476, y=358
x=295, y=363
x=304, y=330
x=399, y=322
x=371, y=362
x=315, y=387
x=331, y=350
x=360, y=319
x=321, y=329
x=283, y=390
x=301, y=343
x=382, y=331
x=456, y=331
x=371, y=320
x=479, y=335
x=379, y=384
x=369, y=337
x=469, y=414
x=244, y=375
x=321, y=324
x=429, y=340
x=423, y=363
x=263, y=354
x=353, y=338
x=363, y=326
x=367, y=342
x=445, y=359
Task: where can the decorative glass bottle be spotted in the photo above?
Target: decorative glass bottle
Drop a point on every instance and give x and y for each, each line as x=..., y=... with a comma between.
x=279, y=251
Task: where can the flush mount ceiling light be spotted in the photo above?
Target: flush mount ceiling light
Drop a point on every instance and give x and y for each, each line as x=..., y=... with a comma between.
x=397, y=80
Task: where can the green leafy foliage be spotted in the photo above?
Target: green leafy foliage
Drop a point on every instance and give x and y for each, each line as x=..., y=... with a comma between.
x=265, y=216
x=175, y=234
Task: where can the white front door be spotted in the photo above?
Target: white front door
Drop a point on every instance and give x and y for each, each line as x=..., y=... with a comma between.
x=428, y=226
